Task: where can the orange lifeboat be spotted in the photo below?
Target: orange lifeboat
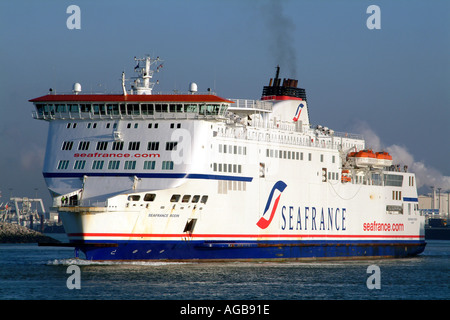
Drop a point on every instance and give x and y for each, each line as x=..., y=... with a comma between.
x=384, y=159
x=345, y=176
x=351, y=154
x=365, y=158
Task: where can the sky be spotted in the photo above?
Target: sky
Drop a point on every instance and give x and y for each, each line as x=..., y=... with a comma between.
x=390, y=84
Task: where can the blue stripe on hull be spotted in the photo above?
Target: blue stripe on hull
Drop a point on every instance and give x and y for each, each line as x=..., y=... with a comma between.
x=201, y=250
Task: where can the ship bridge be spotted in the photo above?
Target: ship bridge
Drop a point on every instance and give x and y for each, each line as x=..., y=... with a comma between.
x=109, y=106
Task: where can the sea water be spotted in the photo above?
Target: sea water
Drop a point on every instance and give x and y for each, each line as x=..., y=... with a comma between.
x=30, y=272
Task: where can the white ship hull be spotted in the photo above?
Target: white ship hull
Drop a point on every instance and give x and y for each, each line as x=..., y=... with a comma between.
x=302, y=226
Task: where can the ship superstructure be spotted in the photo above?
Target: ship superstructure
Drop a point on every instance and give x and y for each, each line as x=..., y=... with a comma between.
x=139, y=175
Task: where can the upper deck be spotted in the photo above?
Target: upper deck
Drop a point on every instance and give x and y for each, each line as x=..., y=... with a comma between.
x=113, y=106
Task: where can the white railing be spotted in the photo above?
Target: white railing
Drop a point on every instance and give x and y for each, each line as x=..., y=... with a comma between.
x=290, y=134
x=251, y=104
x=92, y=116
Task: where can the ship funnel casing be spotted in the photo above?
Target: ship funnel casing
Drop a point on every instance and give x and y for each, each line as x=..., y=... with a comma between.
x=291, y=111
x=286, y=89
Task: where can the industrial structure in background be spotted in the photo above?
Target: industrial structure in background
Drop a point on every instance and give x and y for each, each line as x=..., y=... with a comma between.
x=435, y=206
x=29, y=213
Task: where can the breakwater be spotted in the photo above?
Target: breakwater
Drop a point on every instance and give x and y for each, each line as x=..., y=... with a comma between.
x=14, y=233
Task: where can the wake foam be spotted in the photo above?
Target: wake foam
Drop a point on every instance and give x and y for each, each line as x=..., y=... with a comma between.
x=82, y=262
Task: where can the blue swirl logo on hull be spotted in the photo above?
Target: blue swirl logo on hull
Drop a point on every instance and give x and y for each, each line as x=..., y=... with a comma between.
x=263, y=223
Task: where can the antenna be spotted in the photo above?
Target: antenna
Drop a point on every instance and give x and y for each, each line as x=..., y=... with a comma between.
x=142, y=84
x=123, y=84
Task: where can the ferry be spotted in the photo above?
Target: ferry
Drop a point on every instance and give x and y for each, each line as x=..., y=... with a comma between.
x=140, y=175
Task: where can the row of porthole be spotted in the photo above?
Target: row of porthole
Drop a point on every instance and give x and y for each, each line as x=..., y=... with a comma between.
x=175, y=198
x=135, y=251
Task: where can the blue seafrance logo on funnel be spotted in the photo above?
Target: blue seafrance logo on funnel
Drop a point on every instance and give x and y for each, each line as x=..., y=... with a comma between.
x=298, y=112
x=263, y=223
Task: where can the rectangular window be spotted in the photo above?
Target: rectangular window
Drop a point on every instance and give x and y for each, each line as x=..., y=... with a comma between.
x=97, y=164
x=149, y=165
x=393, y=180
x=149, y=197
x=171, y=146
x=130, y=165
x=79, y=164
x=117, y=145
x=63, y=164
x=102, y=145
x=67, y=145
x=167, y=165
x=134, y=145
x=134, y=197
x=153, y=145
x=113, y=164
x=83, y=145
